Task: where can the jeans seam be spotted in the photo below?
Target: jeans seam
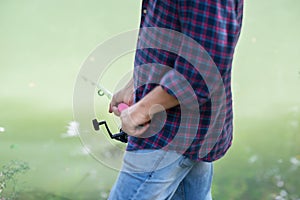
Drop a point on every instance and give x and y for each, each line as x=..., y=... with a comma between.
x=183, y=191
x=157, y=163
x=134, y=196
x=150, y=175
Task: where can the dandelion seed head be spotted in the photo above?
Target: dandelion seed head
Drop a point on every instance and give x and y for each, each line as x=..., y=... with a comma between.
x=72, y=131
x=279, y=198
x=280, y=184
x=283, y=193
x=2, y=130
x=253, y=159
x=295, y=161
x=104, y=195
x=85, y=150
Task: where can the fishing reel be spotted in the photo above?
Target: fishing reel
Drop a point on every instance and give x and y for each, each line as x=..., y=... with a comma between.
x=121, y=136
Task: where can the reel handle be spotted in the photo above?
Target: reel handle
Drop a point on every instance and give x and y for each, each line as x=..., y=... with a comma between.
x=121, y=136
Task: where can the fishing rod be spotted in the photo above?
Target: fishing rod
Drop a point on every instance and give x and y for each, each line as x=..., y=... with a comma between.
x=121, y=136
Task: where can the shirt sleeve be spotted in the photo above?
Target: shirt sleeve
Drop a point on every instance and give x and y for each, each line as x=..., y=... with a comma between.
x=215, y=27
x=185, y=81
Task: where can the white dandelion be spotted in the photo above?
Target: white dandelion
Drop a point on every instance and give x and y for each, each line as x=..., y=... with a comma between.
x=2, y=129
x=82, y=150
x=279, y=198
x=85, y=150
x=283, y=193
x=253, y=159
x=104, y=195
x=72, y=130
x=295, y=162
x=280, y=183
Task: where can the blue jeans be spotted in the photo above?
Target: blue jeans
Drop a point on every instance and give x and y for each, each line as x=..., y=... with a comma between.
x=160, y=175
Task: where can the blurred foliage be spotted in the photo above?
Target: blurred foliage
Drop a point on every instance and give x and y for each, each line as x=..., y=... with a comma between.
x=9, y=178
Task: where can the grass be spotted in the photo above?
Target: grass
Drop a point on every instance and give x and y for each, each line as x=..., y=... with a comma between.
x=60, y=170
x=259, y=159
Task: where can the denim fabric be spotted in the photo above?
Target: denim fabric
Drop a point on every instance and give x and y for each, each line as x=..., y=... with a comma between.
x=160, y=175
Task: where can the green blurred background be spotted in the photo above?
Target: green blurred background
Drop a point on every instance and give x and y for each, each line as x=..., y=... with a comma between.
x=42, y=46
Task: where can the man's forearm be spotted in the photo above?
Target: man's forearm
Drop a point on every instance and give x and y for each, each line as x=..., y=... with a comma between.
x=141, y=113
x=130, y=85
x=156, y=101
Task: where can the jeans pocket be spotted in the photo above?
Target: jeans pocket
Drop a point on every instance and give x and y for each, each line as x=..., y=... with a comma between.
x=186, y=162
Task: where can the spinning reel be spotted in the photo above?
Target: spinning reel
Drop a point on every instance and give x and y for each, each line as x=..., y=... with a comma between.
x=121, y=136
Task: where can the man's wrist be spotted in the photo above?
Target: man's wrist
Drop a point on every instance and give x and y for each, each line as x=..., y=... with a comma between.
x=142, y=111
x=156, y=101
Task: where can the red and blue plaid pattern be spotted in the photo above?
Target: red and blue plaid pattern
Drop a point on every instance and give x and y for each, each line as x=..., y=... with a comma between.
x=216, y=26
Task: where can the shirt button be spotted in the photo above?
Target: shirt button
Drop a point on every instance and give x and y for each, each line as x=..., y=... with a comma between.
x=145, y=11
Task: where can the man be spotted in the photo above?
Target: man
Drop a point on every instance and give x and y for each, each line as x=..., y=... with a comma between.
x=158, y=165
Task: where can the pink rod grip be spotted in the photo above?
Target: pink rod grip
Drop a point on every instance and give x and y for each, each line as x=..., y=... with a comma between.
x=122, y=106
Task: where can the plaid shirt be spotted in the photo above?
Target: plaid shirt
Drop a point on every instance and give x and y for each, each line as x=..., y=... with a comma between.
x=216, y=26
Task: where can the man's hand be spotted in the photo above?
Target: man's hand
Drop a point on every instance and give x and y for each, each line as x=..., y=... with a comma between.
x=135, y=119
x=124, y=95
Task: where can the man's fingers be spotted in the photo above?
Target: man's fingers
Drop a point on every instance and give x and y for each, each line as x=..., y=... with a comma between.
x=115, y=110
x=141, y=129
x=110, y=108
x=136, y=131
x=129, y=99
